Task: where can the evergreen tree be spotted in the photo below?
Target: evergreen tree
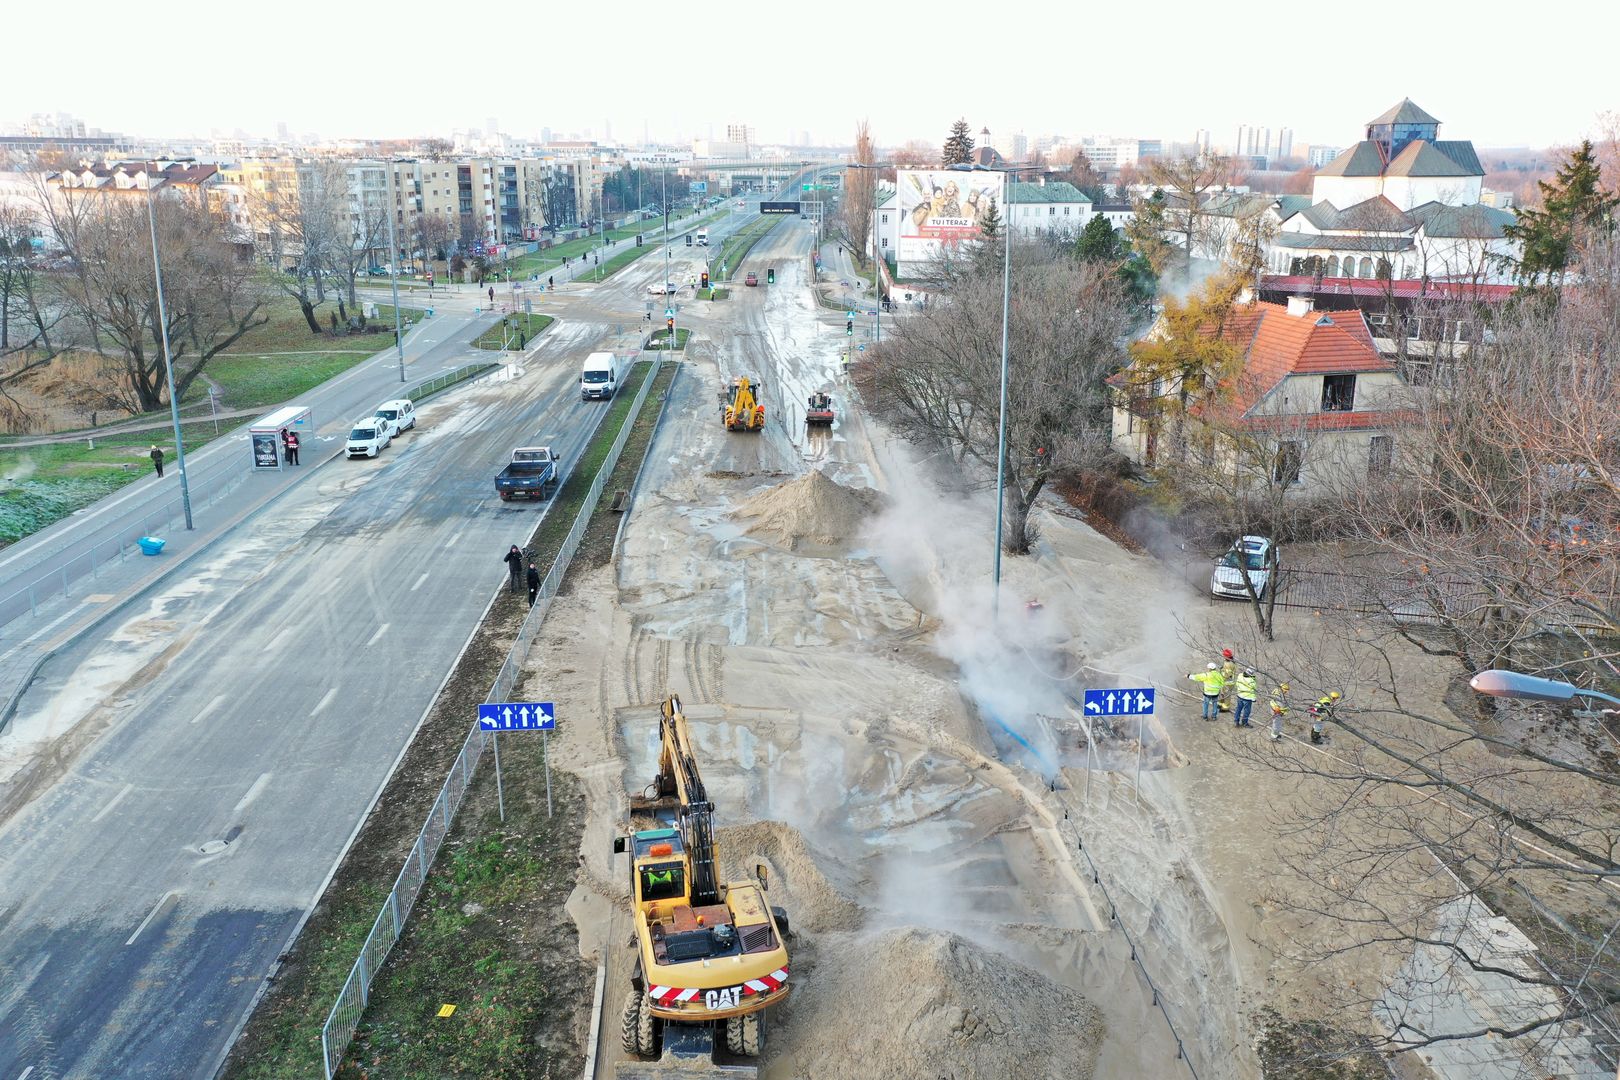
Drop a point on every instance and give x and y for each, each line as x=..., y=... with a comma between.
x=1145, y=231
x=1098, y=242
x=1573, y=200
x=959, y=147
x=990, y=223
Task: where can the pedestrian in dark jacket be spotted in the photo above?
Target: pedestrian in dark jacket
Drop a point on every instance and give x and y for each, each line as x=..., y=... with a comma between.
x=292, y=447
x=514, y=565
x=534, y=583
x=157, y=460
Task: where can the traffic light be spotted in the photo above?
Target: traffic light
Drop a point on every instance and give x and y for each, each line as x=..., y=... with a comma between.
x=770, y=275
x=638, y=239
x=849, y=327
x=669, y=324
x=705, y=279
x=688, y=239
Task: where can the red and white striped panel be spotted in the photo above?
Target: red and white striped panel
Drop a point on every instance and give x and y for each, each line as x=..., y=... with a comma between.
x=766, y=983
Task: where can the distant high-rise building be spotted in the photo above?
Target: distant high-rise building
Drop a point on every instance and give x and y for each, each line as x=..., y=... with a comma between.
x=740, y=133
x=490, y=127
x=1317, y=156
x=804, y=138
x=1201, y=140
x=1285, y=143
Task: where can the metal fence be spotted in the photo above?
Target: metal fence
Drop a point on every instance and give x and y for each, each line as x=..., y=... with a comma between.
x=116, y=540
x=1411, y=596
x=344, y=1018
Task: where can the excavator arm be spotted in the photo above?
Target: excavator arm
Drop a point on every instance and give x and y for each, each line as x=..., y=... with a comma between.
x=678, y=776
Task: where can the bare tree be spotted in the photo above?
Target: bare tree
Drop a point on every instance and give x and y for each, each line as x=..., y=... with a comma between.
x=296, y=228
x=432, y=235
x=211, y=298
x=916, y=154
x=360, y=206
x=28, y=316
x=860, y=186
x=938, y=379
x=1186, y=183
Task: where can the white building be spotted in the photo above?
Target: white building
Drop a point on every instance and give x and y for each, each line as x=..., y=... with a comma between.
x=1047, y=207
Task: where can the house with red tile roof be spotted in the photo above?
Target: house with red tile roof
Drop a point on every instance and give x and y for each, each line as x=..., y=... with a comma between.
x=1309, y=401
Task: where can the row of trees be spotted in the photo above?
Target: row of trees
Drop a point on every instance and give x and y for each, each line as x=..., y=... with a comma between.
x=96, y=295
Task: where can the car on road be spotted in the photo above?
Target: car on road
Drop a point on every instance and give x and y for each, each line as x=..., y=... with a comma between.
x=668, y=288
x=369, y=437
x=1255, y=556
x=751, y=279
x=399, y=414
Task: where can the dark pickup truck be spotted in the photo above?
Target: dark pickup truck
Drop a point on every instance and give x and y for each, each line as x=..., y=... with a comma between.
x=531, y=475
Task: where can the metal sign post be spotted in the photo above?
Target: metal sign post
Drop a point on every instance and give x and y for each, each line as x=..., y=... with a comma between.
x=1125, y=701
x=502, y=716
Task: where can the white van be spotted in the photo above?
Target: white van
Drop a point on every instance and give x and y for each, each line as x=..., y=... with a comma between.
x=703, y=237
x=599, y=376
x=370, y=435
x=399, y=414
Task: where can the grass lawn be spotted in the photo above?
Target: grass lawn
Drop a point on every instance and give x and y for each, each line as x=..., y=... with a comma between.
x=47, y=483
x=521, y=323
x=713, y=294
x=660, y=336
x=738, y=245
x=550, y=258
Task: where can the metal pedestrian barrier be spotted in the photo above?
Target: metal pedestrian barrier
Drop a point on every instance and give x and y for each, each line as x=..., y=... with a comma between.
x=344, y=1019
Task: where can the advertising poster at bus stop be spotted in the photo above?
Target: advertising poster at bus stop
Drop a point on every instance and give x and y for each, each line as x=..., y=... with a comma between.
x=266, y=454
x=942, y=208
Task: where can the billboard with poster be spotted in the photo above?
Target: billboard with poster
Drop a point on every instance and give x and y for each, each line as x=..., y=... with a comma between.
x=941, y=208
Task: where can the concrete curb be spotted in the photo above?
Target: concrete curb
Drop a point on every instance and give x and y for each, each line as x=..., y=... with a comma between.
x=596, y=1020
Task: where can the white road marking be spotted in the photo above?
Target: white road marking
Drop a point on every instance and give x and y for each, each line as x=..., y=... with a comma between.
x=381, y=630
x=419, y=582
x=116, y=799
x=326, y=699
x=275, y=641
x=252, y=793
x=210, y=707
x=25, y=1073
x=451, y=542
x=157, y=907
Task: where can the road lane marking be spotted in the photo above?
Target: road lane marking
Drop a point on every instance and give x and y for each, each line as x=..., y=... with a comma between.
x=451, y=542
x=116, y=799
x=210, y=707
x=26, y=1073
x=381, y=630
x=276, y=641
x=157, y=908
x=252, y=793
x=419, y=582
x=326, y=700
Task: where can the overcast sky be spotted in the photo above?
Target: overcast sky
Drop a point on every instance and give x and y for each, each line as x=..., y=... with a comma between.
x=1520, y=75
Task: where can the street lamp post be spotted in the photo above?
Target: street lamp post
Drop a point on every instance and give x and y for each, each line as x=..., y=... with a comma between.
x=393, y=270
x=168, y=360
x=1513, y=684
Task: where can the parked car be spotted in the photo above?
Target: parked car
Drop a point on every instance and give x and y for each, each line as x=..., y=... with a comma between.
x=1255, y=556
x=668, y=288
x=751, y=279
x=369, y=437
x=399, y=415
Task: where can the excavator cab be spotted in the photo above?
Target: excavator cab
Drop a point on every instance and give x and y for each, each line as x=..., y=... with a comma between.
x=740, y=408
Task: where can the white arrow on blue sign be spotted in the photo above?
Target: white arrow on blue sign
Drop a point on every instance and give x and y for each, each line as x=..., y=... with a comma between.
x=518, y=716
x=1124, y=701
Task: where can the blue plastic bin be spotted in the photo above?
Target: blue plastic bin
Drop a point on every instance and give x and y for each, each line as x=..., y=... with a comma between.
x=151, y=545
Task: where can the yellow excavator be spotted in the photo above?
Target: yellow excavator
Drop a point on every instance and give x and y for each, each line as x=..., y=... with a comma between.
x=710, y=955
x=740, y=409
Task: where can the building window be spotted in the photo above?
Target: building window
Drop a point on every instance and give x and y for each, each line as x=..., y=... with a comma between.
x=1338, y=393
x=1066, y=210
x=1367, y=267
x=1051, y=211
x=1286, y=465
x=1380, y=455
x=885, y=241
x=1333, y=266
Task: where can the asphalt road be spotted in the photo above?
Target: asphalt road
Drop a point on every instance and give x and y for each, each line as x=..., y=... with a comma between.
x=245, y=717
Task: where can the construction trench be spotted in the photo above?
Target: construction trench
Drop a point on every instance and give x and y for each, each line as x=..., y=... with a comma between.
x=912, y=771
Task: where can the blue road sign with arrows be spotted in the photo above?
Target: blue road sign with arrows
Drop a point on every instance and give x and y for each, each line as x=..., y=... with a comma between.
x=518, y=716
x=1131, y=701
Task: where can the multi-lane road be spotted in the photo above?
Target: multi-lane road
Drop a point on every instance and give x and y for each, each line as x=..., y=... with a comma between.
x=225, y=733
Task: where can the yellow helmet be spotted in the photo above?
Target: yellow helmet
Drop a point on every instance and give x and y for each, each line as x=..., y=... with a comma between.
x=1283, y=687
x=1334, y=695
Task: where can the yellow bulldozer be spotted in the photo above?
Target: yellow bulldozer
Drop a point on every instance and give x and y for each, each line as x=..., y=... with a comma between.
x=710, y=955
x=740, y=408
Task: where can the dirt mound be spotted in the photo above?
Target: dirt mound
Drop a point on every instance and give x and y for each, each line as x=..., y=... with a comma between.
x=813, y=903
x=949, y=1008
x=812, y=509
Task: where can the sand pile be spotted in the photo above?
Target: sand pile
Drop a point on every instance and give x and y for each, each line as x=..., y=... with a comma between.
x=812, y=509
x=948, y=1009
x=813, y=903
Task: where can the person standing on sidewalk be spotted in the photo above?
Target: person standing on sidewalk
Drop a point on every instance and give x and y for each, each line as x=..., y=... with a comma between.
x=1279, y=709
x=286, y=451
x=1211, y=680
x=157, y=459
x=514, y=566
x=1228, y=679
x=534, y=583
x=1245, y=685
x=292, y=447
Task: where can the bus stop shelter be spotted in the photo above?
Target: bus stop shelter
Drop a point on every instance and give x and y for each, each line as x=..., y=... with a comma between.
x=264, y=434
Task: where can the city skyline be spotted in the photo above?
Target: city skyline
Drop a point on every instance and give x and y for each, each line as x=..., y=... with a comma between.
x=575, y=90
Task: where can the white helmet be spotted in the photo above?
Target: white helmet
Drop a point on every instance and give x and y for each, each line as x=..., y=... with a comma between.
x=1211, y=666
